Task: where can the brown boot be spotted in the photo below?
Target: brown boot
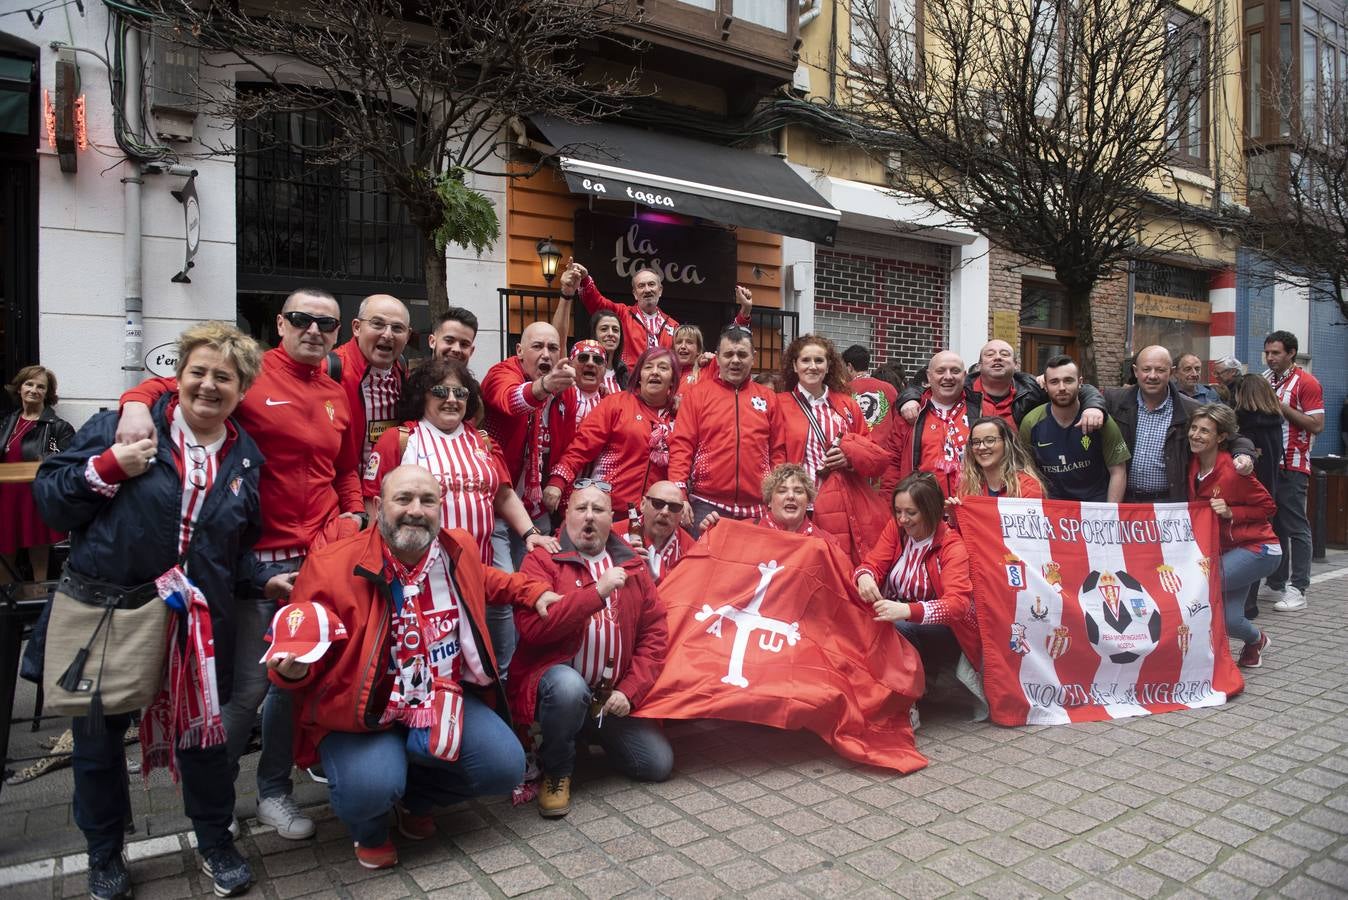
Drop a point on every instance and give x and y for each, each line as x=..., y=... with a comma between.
x=554, y=800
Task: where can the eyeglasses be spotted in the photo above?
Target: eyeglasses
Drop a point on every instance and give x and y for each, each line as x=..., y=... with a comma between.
x=675, y=506
x=302, y=321
x=596, y=358
x=398, y=329
x=985, y=442
x=196, y=454
x=444, y=391
x=590, y=482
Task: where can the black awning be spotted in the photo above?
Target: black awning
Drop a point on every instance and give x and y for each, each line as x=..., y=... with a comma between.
x=681, y=175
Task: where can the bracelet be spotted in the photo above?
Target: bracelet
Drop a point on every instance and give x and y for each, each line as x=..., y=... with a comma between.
x=533, y=530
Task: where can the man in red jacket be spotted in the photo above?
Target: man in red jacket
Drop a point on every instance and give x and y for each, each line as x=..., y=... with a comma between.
x=301, y=422
x=727, y=436
x=644, y=325
x=584, y=668
x=401, y=712
x=370, y=368
x=661, y=540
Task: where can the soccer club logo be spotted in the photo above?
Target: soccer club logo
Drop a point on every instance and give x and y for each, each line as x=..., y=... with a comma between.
x=1123, y=622
x=1058, y=641
x=372, y=467
x=1015, y=571
x=1053, y=575
x=1205, y=566
x=294, y=619
x=1085, y=442
x=759, y=404
x=235, y=483
x=1183, y=635
x=332, y=411
x=1169, y=580
x=1020, y=644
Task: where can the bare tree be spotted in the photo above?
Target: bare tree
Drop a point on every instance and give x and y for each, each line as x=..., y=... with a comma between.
x=423, y=89
x=1048, y=125
x=1298, y=191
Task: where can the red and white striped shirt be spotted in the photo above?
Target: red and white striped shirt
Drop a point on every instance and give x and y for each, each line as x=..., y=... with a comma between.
x=465, y=470
x=198, y=464
x=379, y=390
x=831, y=428
x=908, y=579
x=611, y=385
x=1300, y=390
x=601, y=645
x=586, y=402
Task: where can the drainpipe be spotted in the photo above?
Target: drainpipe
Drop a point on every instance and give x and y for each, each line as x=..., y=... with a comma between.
x=133, y=365
x=812, y=11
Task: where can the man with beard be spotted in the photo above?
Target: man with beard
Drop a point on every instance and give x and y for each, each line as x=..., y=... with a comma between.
x=581, y=670
x=530, y=420
x=998, y=388
x=413, y=599
x=659, y=537
x=454, y=335
x=370, y=368
x=727, y=436
x=1075, y=465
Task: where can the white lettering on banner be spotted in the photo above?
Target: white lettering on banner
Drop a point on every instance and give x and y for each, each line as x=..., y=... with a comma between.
x=595, y=186
x=748, y=620
x=650, y=199
x=632, y=253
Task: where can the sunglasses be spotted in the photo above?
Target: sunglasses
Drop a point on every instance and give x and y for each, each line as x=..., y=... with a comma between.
x=675, y=506
x=302, y=321
x=596, y=358
x=590, y=482
x=444, y=392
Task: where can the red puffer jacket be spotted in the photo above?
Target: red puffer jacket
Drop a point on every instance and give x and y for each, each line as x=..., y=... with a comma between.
x=1251, y=506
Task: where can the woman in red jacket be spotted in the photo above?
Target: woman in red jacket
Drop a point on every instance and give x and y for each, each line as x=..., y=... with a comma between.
x=917, y=576
x=996, y=464
x=625, y=439
x=1244, y=508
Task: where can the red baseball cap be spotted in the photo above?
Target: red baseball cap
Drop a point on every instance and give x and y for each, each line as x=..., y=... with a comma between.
x=305, y=630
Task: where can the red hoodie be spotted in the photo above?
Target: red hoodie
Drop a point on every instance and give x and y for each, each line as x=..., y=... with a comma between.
x=1251, y=506
x=725, y=440
x=616, y=437
x=299, y=418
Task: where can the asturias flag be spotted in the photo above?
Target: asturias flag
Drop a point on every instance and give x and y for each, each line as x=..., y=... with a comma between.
x=1093, y=611
x=766, y=627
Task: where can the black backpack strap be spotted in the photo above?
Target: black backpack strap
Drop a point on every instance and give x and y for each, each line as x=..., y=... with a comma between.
x=334, y=367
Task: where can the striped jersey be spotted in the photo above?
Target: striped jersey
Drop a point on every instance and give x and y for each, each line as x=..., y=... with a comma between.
x=601, y=645
x=819, y=440
x=464, y=468
x=379, y=391
x=1300, y=390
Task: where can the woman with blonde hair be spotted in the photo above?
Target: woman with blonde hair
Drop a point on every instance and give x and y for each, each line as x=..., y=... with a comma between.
x=996, y=464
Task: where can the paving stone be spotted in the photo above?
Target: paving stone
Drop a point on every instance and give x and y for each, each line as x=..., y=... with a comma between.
x=1171, y=864
x=1136, y=881
x=1052, y=876
x=960, y=866
x=1222, y=886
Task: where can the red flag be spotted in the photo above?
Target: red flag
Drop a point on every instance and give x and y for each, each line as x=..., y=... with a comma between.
x=1093, y=611
x=766, y=627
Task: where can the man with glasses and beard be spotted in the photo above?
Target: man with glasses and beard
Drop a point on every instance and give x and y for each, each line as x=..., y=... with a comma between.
x=413, y=597
x=658, y=536
x=301, y=422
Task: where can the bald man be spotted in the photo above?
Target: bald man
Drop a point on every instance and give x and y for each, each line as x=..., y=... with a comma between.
x=998, y=388
x=581, y=671
x=528, y=418
x=659, y=537
x=1153, y=416
x=370, y=367
x=934, y=441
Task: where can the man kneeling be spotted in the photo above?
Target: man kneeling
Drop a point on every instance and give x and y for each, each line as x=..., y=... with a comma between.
x=403, y=707
x=584, y=668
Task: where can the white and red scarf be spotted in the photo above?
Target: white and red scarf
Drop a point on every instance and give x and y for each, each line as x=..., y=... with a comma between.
x=538, y=440
x=186, y=711
x=952, y=460
x=419, y=698
x=661, y=429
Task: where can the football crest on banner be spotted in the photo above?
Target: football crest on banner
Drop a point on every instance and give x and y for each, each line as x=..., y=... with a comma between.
x=1015, y=571
x=1169, y=580
x=1184, y=634
x=1205, y=566
x=1123, y=622
x=1019, y=642
x=773, y=634
x=1058, y=642
x=1053, y=574
x=1039, y=612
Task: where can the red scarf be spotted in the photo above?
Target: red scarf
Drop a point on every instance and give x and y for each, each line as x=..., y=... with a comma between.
x=661, y=429
x=953, y=457
x=533, y=472
x=186, y=711
x=419, y=699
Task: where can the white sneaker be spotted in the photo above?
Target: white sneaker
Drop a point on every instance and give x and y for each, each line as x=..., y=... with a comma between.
x=283, y=814
x=1269, y=593
x=234, y=829
x=913, y=718
x=973, y=680
x=1292, y=600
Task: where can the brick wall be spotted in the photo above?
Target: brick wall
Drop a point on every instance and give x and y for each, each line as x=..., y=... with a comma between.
x=900, y=304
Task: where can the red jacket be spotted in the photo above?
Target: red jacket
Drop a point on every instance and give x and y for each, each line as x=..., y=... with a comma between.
x=725, y=440
x=635, y=335
x=354, y=367
x=544, y=643
x=868, y=459
x=347, y=689
x=300, y=420
x=1252, y=508
x=902, y=443
x=511, y=409
x=616, y=438
x=882, y=397
x=676, y=548
x=948, y=571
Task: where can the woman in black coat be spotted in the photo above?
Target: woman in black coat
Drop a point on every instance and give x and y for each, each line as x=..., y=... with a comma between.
x=30, y=432
x=1260, y=416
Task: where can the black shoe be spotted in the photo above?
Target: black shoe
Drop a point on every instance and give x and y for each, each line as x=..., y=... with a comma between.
x=109, y=879
x=228, y=869
x=1251, y=610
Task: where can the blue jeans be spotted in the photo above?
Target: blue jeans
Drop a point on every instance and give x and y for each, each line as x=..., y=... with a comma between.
x=507, y=555
x=936, y=645
x=1240, y=569
x=635, y=747
x=251, y=689
x=102, y=792
x=370, y=771
x=1294, y=533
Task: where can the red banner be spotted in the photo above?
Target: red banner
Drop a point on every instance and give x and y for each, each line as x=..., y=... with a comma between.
x=767, y=627
x=1093, y=611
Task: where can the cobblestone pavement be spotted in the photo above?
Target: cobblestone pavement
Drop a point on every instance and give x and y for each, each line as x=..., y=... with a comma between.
x=1240, y=801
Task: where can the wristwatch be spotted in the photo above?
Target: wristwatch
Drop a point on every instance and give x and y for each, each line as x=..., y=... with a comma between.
x=530, y=533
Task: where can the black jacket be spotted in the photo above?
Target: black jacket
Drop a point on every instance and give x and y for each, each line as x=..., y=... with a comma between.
x=1264, y=431
x=1121, y=403
x=1028, y=395
x=49, y=435
x=132, y=538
